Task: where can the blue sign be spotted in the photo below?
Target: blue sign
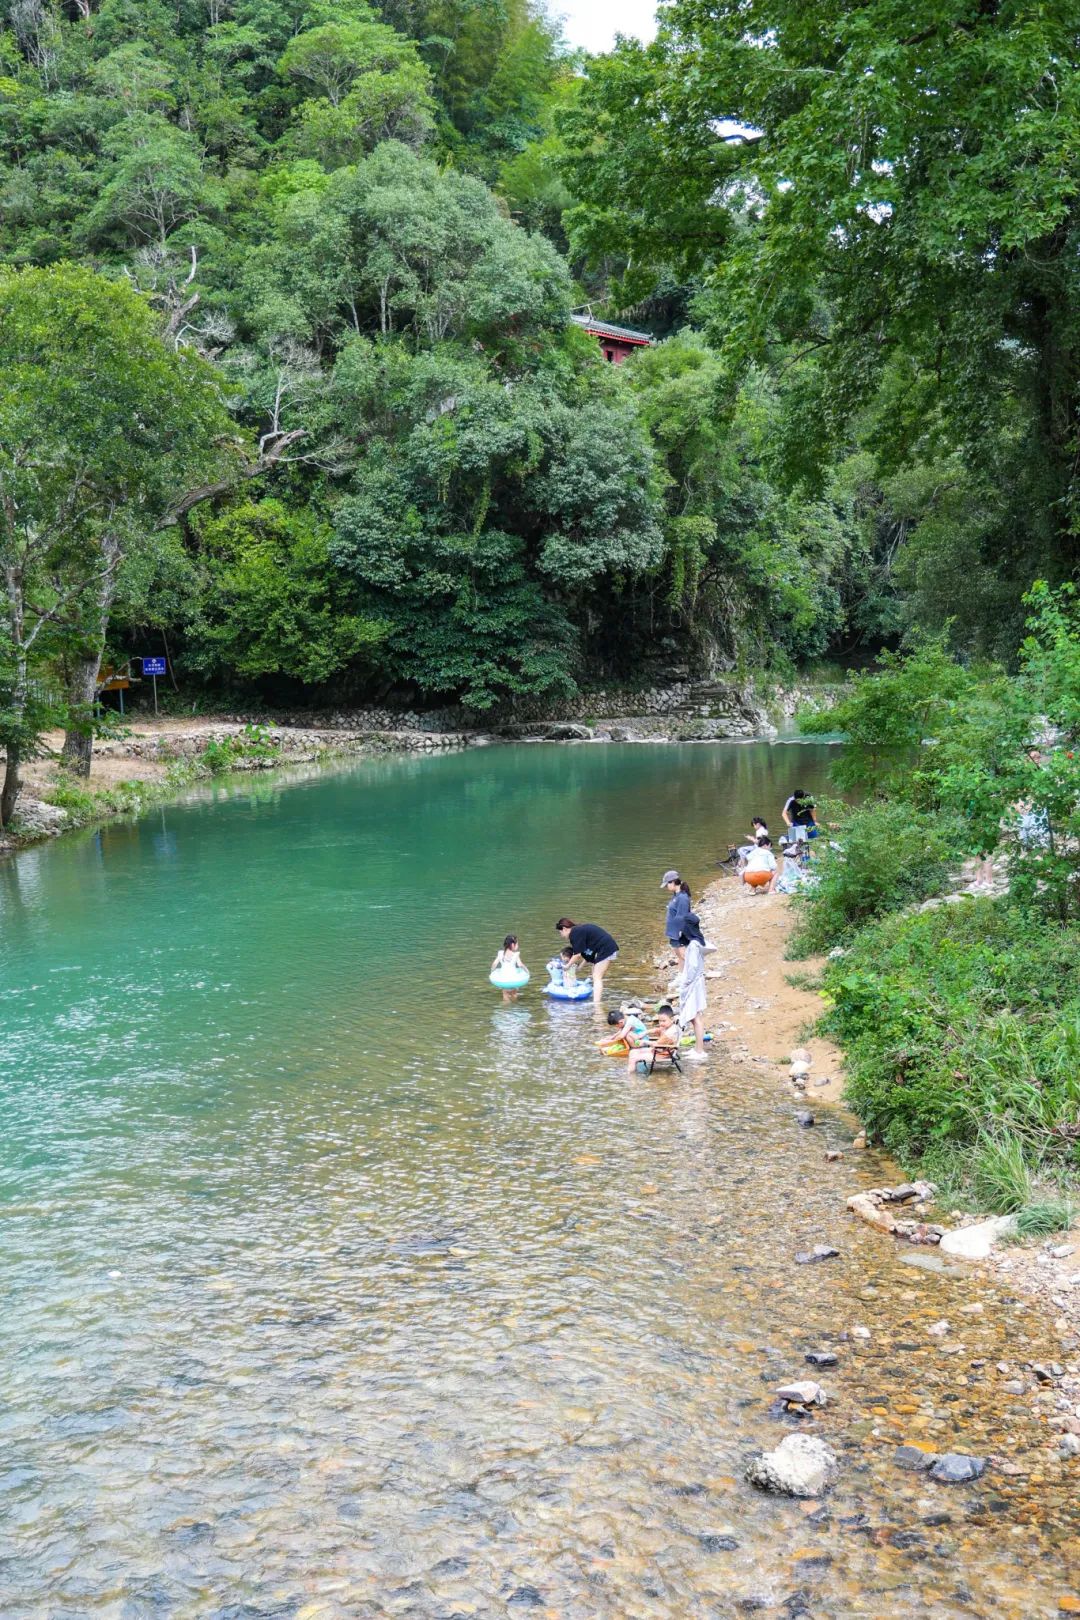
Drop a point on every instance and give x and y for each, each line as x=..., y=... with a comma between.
x=153, y=666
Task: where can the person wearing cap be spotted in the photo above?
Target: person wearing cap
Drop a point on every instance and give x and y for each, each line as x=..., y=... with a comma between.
x=678, y=906
x=692, y=985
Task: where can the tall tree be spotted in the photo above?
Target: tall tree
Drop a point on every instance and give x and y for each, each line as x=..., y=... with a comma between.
x=861, y=182
x=100, y=425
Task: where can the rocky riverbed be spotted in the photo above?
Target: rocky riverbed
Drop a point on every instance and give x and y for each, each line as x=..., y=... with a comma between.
x=762, y=1018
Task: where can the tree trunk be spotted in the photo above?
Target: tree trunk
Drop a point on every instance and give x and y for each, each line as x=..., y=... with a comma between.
x=10, y=793
x=78, y=748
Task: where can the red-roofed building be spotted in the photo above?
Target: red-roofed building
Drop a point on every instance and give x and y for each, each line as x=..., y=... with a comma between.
x=616, y=342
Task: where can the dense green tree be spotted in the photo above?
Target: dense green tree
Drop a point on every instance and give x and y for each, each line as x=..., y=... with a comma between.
x=100, y=426
x=889, y=194
x=395, y=242
x=483, y=518
x=300, y=189
x=755, y=573
x=155, y=181
x=271, y=605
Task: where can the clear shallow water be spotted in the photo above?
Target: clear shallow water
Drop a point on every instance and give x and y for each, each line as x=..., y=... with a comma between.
x=334, y=1287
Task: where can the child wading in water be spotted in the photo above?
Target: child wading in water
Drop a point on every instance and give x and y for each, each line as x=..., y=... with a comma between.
x=662, y=1044
x=508, y=960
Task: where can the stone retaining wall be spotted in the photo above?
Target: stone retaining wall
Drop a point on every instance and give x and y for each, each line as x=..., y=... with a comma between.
x=730, y=698
x=295, y=742
x=680, y=712
x=737, y=708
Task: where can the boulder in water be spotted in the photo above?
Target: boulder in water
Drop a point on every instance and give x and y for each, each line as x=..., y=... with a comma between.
x=956, y=1469
x=801, y=1465
x=804, y=1392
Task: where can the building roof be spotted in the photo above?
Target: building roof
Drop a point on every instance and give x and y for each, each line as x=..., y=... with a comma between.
x=622, y=334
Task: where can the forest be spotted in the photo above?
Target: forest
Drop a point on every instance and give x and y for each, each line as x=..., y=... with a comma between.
x=290, y=392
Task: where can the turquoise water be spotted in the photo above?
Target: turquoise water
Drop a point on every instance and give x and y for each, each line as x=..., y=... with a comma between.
x=334, y=1286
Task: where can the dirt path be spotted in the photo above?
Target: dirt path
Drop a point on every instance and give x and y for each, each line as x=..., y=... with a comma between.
x=112, y=764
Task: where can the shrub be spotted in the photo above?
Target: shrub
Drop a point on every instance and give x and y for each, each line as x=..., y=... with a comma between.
x=961, y=1024
x=890, y=856
x=218, y=756
x=70, y=796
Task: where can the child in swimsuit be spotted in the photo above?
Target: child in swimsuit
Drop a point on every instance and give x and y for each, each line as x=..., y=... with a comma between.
x=628, y=1029
x=509, y=958
x=661, y=1044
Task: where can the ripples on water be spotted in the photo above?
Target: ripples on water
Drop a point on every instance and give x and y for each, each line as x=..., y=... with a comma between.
x=336, y=1288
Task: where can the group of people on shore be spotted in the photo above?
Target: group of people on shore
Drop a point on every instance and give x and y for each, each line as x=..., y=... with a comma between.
x=590, y=945
x=756, y=862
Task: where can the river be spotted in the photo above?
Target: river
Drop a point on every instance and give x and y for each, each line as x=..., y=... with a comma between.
x=334, y=1287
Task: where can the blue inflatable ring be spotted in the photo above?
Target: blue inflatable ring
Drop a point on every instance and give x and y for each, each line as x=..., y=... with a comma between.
x=578, y=991
x=509, y=978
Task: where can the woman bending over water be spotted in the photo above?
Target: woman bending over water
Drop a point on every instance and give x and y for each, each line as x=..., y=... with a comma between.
x=589, y=943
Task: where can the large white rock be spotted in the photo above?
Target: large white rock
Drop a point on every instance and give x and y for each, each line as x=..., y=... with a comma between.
x=975, y=1242
x=801, y=1465
x=804, y=1392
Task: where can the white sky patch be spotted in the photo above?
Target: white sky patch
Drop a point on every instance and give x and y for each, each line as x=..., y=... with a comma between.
x=593, y=24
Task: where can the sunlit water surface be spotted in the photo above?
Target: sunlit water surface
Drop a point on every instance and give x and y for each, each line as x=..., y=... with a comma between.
x=335, y=1287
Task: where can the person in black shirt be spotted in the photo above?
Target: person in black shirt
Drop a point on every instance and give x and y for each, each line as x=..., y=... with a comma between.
x=590, y=943
x=799, y=814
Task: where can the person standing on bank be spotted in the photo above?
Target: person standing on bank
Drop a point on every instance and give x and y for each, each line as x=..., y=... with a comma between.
x=799, y=815
x=589, y=943
x=692, y=985
x=678, y=906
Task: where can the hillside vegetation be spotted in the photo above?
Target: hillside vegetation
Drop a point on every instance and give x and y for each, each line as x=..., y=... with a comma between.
x=289, y=389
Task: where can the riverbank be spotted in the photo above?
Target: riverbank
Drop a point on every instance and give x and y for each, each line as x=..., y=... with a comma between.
x=761, y=1007
x=758, y=1013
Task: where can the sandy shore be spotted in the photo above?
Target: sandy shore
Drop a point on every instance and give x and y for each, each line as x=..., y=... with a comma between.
x=754, y=1009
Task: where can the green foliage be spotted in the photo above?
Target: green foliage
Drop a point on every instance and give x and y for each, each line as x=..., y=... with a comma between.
x=755, y=573
x=371, y=86
x=1041, y=1219
x=969, y=746
x=890, y=855
x=1001, y=1176
x=875, y=202
x=271, y=603
x=100, y=426
x=894, y=715
x=301, y=190
x=960, y=1024
x=68, y=793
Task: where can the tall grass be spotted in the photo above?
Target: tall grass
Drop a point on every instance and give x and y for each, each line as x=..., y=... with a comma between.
x=1001, y=1177
x=1042, y=1219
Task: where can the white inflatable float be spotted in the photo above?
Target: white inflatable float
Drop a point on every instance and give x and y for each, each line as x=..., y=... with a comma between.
x=509, y=978
x=579, y=990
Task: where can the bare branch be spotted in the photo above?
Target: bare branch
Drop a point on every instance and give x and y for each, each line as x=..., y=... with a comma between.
x=268, y=457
